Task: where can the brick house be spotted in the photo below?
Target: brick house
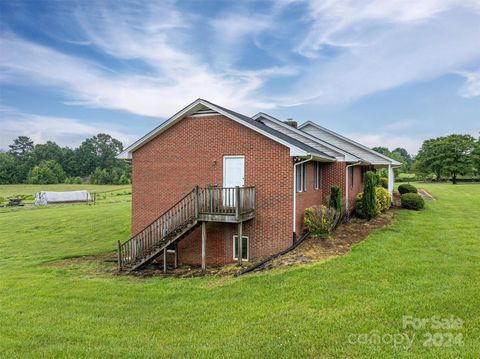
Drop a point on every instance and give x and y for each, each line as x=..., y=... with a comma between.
x=208, y=176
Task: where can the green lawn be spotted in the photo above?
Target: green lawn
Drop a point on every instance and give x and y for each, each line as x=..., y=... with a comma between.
x=104, y=193
x=31, y=189
x=425, y=264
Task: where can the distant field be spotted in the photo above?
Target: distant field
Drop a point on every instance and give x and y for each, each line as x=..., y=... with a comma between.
x=424, y=264
x=31, y=189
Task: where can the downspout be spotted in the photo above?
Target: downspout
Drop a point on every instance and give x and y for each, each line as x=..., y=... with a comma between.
x=346, y=183
x=295, y=195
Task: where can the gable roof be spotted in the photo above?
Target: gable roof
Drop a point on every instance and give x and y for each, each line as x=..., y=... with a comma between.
x=328, y=148
x=297, y=148
x=359, y=150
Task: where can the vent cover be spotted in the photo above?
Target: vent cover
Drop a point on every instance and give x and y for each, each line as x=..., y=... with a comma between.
x=204, y=112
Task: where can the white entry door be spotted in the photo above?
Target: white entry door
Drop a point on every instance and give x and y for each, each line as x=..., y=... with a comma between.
x=233, y=175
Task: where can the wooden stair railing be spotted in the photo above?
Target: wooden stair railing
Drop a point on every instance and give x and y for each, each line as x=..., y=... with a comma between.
x=181, y=219
x=159, y=234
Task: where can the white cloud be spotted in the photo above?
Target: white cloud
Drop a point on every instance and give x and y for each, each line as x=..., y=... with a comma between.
x=234, y=27
x=389, y=140
x=63, y=130
x=351, y=22
x=400, y=125
x=383, y=44
x=471, y=88
x=421, y=44
x=176, y=77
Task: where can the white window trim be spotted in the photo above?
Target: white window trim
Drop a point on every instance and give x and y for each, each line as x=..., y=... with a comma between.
x=302, y=170
x=248, y=248
x=304, y=178
x=224, y=167
x=317, y=176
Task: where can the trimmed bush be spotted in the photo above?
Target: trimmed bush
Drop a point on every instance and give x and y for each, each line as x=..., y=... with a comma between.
x=335, y=202
x=407, y=188
x=382, y=199
x=384, y=182
x=369, y=209
x=319, y=220
x=412, y=201
x=358, y=206
x=383, y=202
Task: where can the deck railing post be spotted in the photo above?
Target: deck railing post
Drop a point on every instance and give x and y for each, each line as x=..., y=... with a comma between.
x=239, y=247
x=119, y=248
x=237, y=202
x=197, y=201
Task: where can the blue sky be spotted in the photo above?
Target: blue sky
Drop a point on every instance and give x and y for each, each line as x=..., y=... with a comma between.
x=386, y=73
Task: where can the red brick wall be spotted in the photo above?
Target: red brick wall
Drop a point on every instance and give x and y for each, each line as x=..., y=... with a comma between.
x=191, y=153
x=333, y=174
x=357, y=186
x=307, y=199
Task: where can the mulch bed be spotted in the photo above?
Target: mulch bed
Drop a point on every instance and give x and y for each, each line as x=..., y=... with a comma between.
x=315, y=249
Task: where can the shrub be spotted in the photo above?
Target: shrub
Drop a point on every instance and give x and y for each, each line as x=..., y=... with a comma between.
x=407, y=188
x=335, y=202
x=384, y=182
x=359, y=207
x=369, y=209
x=2, y=200
x=383, y=202
x=47, y=172
x=73, y=180
x=412, y=201
x=100, y=176
x=319, y=220
x=382, y=199
x=124, y=179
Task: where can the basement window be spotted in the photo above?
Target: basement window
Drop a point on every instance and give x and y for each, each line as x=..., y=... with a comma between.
x=244, y=248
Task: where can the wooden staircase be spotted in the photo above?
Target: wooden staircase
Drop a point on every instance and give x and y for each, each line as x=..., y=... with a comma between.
x=213, y=204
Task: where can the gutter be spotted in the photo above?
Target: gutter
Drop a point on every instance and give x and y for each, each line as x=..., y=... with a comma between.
x=295, y=195
x=346, y=183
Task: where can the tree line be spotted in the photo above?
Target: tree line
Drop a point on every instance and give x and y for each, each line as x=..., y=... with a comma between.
x=92, y=162
x=440, y=158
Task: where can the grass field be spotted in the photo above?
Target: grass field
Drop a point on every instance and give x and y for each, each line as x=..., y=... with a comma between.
x=425, y=264
x=103, y=193
x=31, y=189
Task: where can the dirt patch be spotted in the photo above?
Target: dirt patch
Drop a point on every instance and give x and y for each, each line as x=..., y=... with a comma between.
x=425, y=195
x=92, y=265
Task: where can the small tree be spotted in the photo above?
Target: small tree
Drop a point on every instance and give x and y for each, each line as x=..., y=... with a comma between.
x=7, y=168
x=47, y=172
x=368, y=200
x=335, y=198
x=100, y=176
x=335, y=202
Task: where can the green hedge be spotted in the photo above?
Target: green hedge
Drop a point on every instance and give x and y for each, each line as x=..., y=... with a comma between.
x=412, y=201
x=383, y=202
x=319, y=220
x=407, y=188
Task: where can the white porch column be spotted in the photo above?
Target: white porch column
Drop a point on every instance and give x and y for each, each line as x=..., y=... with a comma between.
x=391, y=177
